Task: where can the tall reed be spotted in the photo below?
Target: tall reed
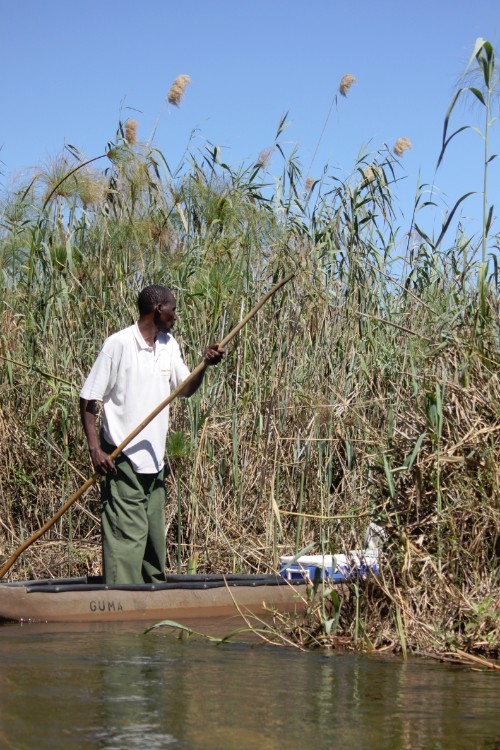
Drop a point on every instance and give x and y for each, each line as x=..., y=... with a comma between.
x=361, y=392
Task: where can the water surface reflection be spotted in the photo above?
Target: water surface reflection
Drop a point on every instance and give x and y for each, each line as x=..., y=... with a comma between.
x=114, y=687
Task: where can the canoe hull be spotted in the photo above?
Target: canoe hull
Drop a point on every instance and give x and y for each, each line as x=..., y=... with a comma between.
x=80, y=601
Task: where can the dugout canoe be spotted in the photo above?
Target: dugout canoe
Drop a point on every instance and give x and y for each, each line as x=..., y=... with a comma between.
x=87, y=599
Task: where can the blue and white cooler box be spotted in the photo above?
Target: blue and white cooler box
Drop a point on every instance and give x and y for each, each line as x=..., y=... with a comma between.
x=354, y=564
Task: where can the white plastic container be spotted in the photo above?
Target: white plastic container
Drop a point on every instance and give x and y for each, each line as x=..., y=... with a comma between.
x=339, y=567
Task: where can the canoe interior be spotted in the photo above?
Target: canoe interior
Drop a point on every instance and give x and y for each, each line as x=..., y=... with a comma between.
x=172, y=581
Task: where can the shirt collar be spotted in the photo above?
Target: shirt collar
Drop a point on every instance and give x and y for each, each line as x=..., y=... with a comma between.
x=139, y=337
x=161, y=339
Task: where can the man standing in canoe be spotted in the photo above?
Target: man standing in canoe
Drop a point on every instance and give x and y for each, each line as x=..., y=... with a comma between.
x=135, y=371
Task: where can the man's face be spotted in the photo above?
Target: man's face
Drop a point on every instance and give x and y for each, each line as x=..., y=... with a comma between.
x=165, y=316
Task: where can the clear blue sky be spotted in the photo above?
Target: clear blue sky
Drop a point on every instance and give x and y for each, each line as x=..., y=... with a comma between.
x=71, y=70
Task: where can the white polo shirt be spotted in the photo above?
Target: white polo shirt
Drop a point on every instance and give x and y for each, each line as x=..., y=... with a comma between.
x=131, y=379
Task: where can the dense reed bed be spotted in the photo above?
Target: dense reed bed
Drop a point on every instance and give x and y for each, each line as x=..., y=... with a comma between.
x=368, y=389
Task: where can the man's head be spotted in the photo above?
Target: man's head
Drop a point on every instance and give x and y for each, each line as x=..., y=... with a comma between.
x=159, y=302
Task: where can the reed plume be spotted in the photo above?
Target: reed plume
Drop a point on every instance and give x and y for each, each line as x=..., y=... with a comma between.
x=265, y=156
x=402, y=145
x=131, y=132
x=346, y=83
x=177, y=89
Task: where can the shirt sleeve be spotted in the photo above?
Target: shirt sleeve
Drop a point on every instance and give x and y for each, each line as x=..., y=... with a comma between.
x=102, y=375
x=180, y=370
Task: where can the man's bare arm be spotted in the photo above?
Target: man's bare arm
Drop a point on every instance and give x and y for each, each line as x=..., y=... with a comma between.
x=100, y=460
x=211, y=356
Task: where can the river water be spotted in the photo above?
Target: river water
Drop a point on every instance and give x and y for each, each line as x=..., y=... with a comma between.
x=114, y=687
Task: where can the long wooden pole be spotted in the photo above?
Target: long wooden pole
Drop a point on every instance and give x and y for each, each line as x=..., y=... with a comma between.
x=86, y=485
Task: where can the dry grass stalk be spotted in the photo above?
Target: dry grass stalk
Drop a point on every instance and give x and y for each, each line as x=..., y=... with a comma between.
x=346, y=83
x=402, y=145
x=177, y=89
x=131, y=132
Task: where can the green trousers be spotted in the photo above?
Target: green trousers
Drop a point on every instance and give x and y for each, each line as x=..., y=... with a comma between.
x=133, y=524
